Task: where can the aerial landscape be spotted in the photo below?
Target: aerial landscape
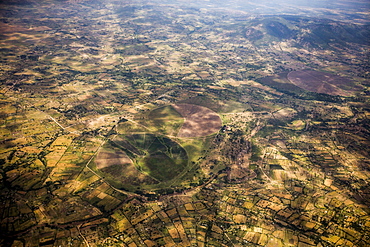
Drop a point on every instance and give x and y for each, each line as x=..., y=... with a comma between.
x=184, y=123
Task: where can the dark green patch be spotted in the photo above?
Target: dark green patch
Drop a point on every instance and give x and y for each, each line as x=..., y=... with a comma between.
x=114, y=170
x=278, y=30
x=204, y=101
x=161, y=158
x=161, y=166
x=137, y=49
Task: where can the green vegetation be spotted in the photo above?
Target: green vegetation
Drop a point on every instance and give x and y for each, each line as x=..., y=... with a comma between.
x=256, y=152
x=153, y=158
x=165, y=120
x=131, y=127
x=205, y=101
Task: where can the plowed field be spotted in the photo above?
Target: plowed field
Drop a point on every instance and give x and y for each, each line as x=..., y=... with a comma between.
x=108, y=158
x=199, y=120
x=322, y=82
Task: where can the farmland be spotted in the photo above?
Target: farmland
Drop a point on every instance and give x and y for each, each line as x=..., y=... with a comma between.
x=199, y=121
x=321, y=82
x=184, y=123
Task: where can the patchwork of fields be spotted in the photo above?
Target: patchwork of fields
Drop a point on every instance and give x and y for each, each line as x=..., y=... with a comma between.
x=184, y=123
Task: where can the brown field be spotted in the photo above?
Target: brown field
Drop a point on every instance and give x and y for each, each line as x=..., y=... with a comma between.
x=321, y=82
x=106, y=159
x=199, y=120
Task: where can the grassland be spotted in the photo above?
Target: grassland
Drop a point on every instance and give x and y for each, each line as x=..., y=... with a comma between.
x=165, y=120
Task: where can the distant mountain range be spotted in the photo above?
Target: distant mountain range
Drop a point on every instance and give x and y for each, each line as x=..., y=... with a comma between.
x=308, y=32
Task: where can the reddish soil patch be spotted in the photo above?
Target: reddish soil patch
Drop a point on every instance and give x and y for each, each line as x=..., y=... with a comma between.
x=6, y=28
x=105, y=159
x=199, y=120
x=321, y=82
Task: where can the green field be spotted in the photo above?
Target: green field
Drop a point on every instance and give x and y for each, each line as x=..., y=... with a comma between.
x=155, y=160
x=158, y=157
x=165, y=120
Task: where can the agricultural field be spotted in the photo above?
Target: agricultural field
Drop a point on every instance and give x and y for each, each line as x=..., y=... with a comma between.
x=184, y=123
x=199, y=121
x=321, y=82
x=142, y=159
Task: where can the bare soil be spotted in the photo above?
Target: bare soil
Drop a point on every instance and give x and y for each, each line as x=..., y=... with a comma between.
x=199, y=120
x=322, y=82
x=105, y=159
